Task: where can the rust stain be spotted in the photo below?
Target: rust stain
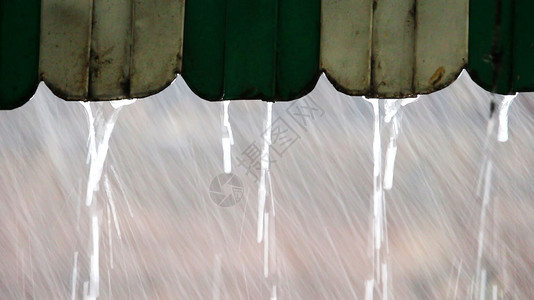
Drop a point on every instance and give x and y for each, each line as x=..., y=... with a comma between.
x=437, y=76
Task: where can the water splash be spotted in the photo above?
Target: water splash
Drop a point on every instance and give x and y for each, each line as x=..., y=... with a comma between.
x=502, y=135
x=100, y=130
x=98, y=149
x=227, y=138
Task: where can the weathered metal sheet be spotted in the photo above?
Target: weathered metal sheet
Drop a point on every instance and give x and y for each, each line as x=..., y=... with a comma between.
x=157, y=45
x=109, y=72
x=501, y=45
x=346, y=44
x=271, y=50
x=441, y=43
x=238, y=49
x=103, y=49
x=392, y=49
x=65, y=46
x=19, y=51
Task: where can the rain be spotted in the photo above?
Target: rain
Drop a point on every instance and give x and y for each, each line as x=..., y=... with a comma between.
x=325, y=197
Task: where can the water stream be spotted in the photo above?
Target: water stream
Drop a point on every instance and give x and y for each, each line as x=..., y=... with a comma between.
x=387, y=120
x=480, y=285
x=100, y=130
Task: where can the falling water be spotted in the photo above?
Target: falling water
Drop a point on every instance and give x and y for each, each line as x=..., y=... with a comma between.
x=100, y=130
x=484, y=187
x=266, y=210
x=377, y=282
x=227, y=138
x=388, y=115
x=74, y=276
x=503, y=117
x=391, y=107
x=262, y=191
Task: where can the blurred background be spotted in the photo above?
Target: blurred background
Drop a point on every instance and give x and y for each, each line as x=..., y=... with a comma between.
x=170, y=240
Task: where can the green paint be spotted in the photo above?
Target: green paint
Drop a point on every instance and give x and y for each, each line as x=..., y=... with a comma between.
x=523, y=79
x=203, y=49
x=250, y=49
x=19, y=51
x=501, y=45
x=242, y=49
x=299, y=27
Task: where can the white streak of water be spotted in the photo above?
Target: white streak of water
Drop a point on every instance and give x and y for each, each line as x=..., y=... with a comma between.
x=112, y=206
x=389, y=117
x=393, y=110
x=377, y=180
x=98, y=151
x=227, y=138
x=483, y=285
x=391, y=107
x=98, y=146
x=369, y=287
x=271, y=262
x=488, y=148
x=265, y=161
x=74, y=279
x=266, y=246
x=94, y=273
x=110, y=239
x=504, y=107
x=114, y=172
x=481, y=231
x=274, y=293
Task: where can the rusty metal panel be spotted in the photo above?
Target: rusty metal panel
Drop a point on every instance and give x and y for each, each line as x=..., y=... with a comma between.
x=415, y=46
x=65, y=45
x=441, y=43
x=346, y=43
x=393, y=48
x=109, y=76
x=157, y=45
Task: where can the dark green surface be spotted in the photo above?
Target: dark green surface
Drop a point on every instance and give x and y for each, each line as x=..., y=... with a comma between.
x=523, y=80
x=19, y=51
x=242, y=49
x=250, y=57
x=203, y=61
x=299, y=27
x=501, y=45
